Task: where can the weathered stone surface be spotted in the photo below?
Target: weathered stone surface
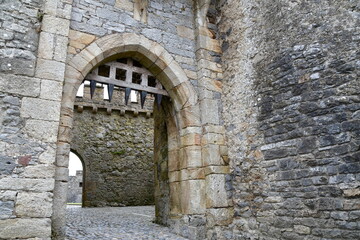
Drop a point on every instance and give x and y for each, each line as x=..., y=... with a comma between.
x=40, y=228
x=51, y=90
x=125, y=176
x=42, y=130
x=39, y=171
x=56, y=25
x=125, y=5
x=40, y=109
x=21, y=85
x=50, y=69
x=38, y=205
x=215, y=191
x=19, y=36
x=286, y=106
x=6, y=209
x=36, y=185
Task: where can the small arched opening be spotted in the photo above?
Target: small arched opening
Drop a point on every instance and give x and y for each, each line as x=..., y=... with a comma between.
x=76, y=179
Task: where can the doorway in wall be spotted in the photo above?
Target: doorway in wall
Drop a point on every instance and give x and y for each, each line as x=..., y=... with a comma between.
x=75, y=183
x=179, y=174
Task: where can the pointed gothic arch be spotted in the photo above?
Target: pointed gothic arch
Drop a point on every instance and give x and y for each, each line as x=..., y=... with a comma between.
x=186, y=173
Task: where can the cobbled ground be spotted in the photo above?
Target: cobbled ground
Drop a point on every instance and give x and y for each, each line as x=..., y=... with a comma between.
x=125, y=223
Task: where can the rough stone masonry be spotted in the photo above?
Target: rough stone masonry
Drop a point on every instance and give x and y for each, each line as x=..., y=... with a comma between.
x=260, y=135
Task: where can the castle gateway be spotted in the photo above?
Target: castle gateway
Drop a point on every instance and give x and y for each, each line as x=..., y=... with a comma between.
x=255, y=112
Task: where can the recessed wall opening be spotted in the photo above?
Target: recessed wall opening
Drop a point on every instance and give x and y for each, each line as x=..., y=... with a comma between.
x=117, y=146
x=75, y=184
x=179, y=181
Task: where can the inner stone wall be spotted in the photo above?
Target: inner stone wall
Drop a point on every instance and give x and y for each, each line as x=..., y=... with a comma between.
x=117, y=151
x=293, y=67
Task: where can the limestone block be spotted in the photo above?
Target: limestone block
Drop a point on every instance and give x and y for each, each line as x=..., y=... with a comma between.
x=7, y=195
x=35, y=185
x=62, y=174
x=173, y=143
x=174, y=176
x=111, y=44
x=51, y=90
x=50, y=7
x=6, y=209
x=172, y=76
x=162, y=62
x=39, y=171
x=46, y=45
x=48, y=156
x=184, y=96
x=89, y=57
x=25, y=228
x=211, y=155
x=73, y=74
x=60, y=51
x=96, y=53
x=210, y=111
x=213, y=138
x=219, y=216
x=185, y=32
x=211, y=84
x=64, y=134
x=214, y=129
x=191, y=139
x=208, y=44
x=213, y=66
x=21, y=85
x=131, y=41
x=217, y=170
x=215, y=191
x=190, y=116
x=34, y=204
x=302, y=229
x=193, y=196
x=50, y=69
x=63, y=149
x=192, y=174
x=188, y=130
x=126, y=5
x=40, y=109
x=175, y=200
x=173, y=160
x=65, y=11
x=190, y=157
x=81, y=64
x=59, y=207
x=56, y=25
x=155, y=48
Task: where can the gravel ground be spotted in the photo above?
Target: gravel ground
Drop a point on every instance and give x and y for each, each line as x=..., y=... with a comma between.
x=126, y=223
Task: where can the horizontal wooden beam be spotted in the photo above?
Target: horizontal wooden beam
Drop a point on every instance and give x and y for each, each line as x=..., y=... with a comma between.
x=124, y=84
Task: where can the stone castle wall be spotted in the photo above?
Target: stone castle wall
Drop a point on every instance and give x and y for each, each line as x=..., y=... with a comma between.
x=116, y=149
x=294, y=138
x=74, y=194
x=286, y=88
x=28, y=126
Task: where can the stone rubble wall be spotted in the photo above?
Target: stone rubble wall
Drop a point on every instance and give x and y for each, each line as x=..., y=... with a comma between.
x=117, y=151
x=291, y=110
x=170, y=24
x=74, y=194
x=20, y=23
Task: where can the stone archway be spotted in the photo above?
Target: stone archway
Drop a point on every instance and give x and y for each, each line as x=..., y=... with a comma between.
x=186, y=175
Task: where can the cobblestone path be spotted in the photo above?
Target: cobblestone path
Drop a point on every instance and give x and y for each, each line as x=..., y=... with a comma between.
x=125, y=223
